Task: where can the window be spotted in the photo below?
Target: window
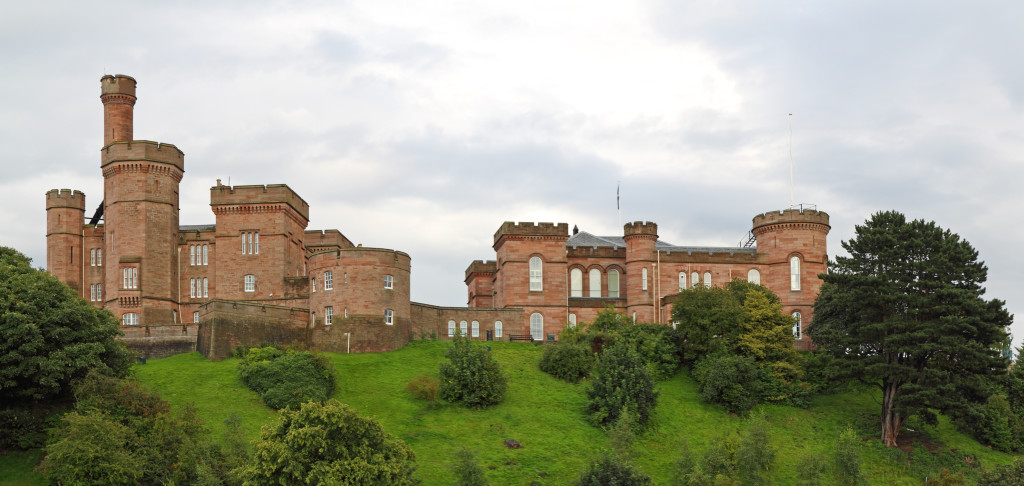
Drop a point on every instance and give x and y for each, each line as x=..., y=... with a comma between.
x=250, y=283
x=328, y=315
x=389, y=282
x=463, y=328
x=694, y=280
x=345, y=276
x=753, y=276
x=205, y=255
x=257, y=251
x=195, y=316
x=99, y=292
x=576, y=283
x=206, y=287
x=328, y=280
x=312, y=282
x=536, y=274
x=537, y=326
x=613, y=283
x=643, y=279
x=313, y=315
x=389, y=316
x=99, y=257
x=682, y=281
x=130, y=319
x=191, y=254
x=451, y=328
x=497, y=328
x=346, y=313
x=92, y=292
x=595, y=282
x=476, y=329
x=572, y=320
x=251, y=243
x=634, y=317
x=794, y=273
x=707, y=280
x=129, y=277
x=244, y=247
x=192, y=285
x=798, y=328
x=92, y=257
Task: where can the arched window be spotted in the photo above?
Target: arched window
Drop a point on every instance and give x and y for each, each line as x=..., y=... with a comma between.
x=753, y=276
x=576, y=283
x=451, y=328
x=476, y=329
x=694, y=279
x=250, y=283
x=682, y=281
x=497, y=329
x=537, y=326
x=312, y=281
x=798, y=325
x=707, y=280
x=463, y=328
x=613, y=283
x=572, y=320
x=595, y=282
x=643, y=279
x=536, y=274
x=794, y=273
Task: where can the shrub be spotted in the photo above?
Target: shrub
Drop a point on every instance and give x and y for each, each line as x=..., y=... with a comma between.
x=656, y=344
x=847, y=459
x=424, y=387
x=287, y=379
x=568, y=362
x=328, y=443
x=755, y=455
x=25, y=427
x=620, y=383
x=471, y=376
x=731, y=380
x=608, y=470
x=1009, y=475
x=467, y=471
x=91, y=448
x=811, y=470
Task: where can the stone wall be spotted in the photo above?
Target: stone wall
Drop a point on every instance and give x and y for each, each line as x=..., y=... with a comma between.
x=160, y=340
x=225, y=325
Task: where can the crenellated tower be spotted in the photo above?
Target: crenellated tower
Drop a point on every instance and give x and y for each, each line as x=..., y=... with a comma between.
x=641, y=272
x=65, y=218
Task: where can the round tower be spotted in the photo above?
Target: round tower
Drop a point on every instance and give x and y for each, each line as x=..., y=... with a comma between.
x=65, y=218
x=117, y=93
x=792, y=252
x=641, y=238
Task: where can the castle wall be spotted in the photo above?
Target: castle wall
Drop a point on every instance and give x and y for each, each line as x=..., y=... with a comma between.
x=160, y=340
x=515, y=244
x=431, y=321
x=225, y=325
x=65, y=214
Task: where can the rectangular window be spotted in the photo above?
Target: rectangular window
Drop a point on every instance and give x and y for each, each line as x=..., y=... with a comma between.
x=124, y=278
x=389, y=282
x=195, y=316
x=328, y=315
x=389, y=317
x=192, y=284
x=476, y=329
x=451, y=328
x=99, y=257
x=250, y=283
x=244, y=247
x=130, y=319
x=128, y=277
x=257, y=244
x=312, y=282
x=536, y=274
x=205, y=251
x=92, y=257
x=613, y=283
x=328, y=280
x=99, y=292
x=92, y=292
x=206, y=287
x=643, y=279
x=192, y=255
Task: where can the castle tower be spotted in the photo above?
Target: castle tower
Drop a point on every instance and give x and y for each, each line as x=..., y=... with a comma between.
x=532, y=274
x=792, y=252
x=65, y=218
x=641, y=261
x=140, y=194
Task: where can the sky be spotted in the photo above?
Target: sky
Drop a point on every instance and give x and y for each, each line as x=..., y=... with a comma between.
x=422, y=126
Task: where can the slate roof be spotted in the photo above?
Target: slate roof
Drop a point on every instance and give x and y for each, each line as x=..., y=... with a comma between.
x=196, y=227
x=585, y=239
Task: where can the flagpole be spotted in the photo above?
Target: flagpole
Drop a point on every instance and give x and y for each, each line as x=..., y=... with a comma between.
x=618, y=204
x=791, y=201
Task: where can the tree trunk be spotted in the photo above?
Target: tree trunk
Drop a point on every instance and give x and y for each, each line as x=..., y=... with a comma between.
x=891, y=421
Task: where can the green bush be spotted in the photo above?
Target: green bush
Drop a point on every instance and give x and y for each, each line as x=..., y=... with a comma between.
x=657, y=345
x=471, y=376
x=287, y=379
x=467, y=471
x=24, y=427
x=568, y=362
x=755, y=455
x=424, y=387
x=847, y=459
x=621, y=382
x=731, y=380
x=608, y=470
x=1009, y=475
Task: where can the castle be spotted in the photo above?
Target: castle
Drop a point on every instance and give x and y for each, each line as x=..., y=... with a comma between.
x=257, y=274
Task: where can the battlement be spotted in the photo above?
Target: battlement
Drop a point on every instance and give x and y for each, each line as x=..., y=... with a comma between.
x=531, y=229
x=331, y=237
x=65, y=198
x=118, y=84
x=482, y=266
x=221, y=195
x=791, y=216
x=640, y=228
x=142, y=150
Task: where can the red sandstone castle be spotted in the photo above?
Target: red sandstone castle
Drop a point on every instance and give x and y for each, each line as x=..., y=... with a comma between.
x=257, y=274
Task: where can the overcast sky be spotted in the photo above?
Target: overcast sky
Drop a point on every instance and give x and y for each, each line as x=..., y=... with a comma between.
x=421, y=126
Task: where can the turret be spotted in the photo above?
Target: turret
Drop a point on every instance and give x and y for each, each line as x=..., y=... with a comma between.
x=118, y=95
x=640, y=237
x=65, y=218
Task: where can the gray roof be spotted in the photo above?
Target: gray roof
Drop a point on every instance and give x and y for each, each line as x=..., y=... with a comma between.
x=585, y=239
x=196, y=227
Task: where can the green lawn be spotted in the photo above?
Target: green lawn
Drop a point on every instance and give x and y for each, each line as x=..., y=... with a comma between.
x=544, y=415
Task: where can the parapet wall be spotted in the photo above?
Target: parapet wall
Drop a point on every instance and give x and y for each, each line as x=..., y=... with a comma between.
x=221, y=195
x=640, y=228
x=431, y=321
x=117, y=84
x=65, y=198
x=161, y=340
x=531, y=229
x=315, y=239
x=225, y=325
x=791, y=216
x=142, y=150
x=481, y=266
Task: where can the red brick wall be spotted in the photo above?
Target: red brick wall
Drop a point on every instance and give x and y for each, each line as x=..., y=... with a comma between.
x=515, y=245
x=65, y=213
x=432, y=321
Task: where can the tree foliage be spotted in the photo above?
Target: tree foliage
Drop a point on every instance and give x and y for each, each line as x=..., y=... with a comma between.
x=904, y=312
x=49, y=336
x=328, y=443
x=608, y=470
x=471, y=376
x=287, y=378
x=621, y=384
x=567, y=361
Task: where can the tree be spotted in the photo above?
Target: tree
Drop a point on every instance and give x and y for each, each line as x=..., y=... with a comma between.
x=709, y=321
x=471, y=375
x=621, y=384
x=608, y=470
x=328, y=443
x=49, y=336
x=904, y=312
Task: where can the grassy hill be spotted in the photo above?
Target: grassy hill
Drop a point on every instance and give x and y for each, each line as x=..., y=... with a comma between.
x=545, y=416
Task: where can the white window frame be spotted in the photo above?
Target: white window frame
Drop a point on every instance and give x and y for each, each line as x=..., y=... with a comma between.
x=643, y=279
x=99, y=257
x=130, y=319
x=99, y=292
x=192, y=255
x=192, y=285
x=576, y=283
x=463, y=328
x=798, y=325
x=475, y=328
x=250, y=283
x=707, y=280
x=312, y=279
x=572, y=320
x=328, y=280
x=257, y=234
x=195, y=316
x=328, y=315
x=206, y=287
x=92, y=293
x=245, y=250
x=682, y=281
x=497, y=328
x=92, y=257
x=754, y=276
x=206, y=255
x=389, y=282
x=536, y=274
x=595, y=277
x=613, y=290
x=694, y=279
x=794, y=273
x=389, y=317
x=451, y=328
x=537, y=326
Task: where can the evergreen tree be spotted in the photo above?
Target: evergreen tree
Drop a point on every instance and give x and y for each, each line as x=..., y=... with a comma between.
x=621, y=383
x=471, y=376
x=904, y=312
